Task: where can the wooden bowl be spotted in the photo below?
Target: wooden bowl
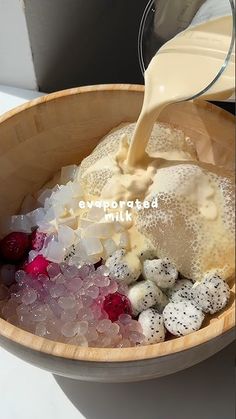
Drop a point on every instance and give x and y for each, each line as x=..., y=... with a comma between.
x=38, y=138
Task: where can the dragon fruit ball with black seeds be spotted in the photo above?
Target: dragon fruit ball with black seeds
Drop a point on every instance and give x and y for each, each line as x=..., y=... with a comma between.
x=212, y=294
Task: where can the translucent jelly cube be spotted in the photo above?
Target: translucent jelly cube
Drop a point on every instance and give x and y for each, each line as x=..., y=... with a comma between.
x=43, y=195
x=68, y=173
x=64, y=194
x=92, y=246
x=36, y=217
x=55, y=252
x=70, y=221
x=66, y=235
x=76, y=189
x=21, y=223
x=99, y=230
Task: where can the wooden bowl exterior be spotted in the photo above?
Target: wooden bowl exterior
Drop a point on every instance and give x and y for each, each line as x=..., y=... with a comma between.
x=38, y=138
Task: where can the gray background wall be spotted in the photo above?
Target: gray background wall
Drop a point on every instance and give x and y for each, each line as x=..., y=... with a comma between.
x=82, y=42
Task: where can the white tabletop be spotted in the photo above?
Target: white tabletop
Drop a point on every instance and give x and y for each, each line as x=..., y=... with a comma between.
x=205, y=391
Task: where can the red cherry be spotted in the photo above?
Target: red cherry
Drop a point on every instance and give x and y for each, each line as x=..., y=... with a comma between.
x=37, y=240
x=115, y=305
x=14, y=247
x=37, y=266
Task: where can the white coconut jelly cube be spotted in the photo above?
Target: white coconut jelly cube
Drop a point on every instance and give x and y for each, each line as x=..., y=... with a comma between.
x=99, y=230
x=46, y=193
x=92, y=246
x=70, y=221
x=55, y=252
x=63, y=195
x=74, y=207
x=36, y=217
x=49, y=216
x=20, y=223
x=68, y=173
x=66, y=235
x=77, y=189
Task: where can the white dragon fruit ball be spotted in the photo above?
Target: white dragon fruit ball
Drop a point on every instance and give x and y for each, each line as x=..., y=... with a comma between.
x=152, y=325
x=182, y=318
x=212, y=294
x=160, y=271
x=145, y=294
x=122, y=268
x=181, y=291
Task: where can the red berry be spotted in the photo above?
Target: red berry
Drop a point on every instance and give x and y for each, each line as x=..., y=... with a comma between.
x=37, y=240
x=115, y=305
x=37, y=266
x=14, y=247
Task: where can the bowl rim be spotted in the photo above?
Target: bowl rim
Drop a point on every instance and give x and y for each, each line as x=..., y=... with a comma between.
x=224, y=323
